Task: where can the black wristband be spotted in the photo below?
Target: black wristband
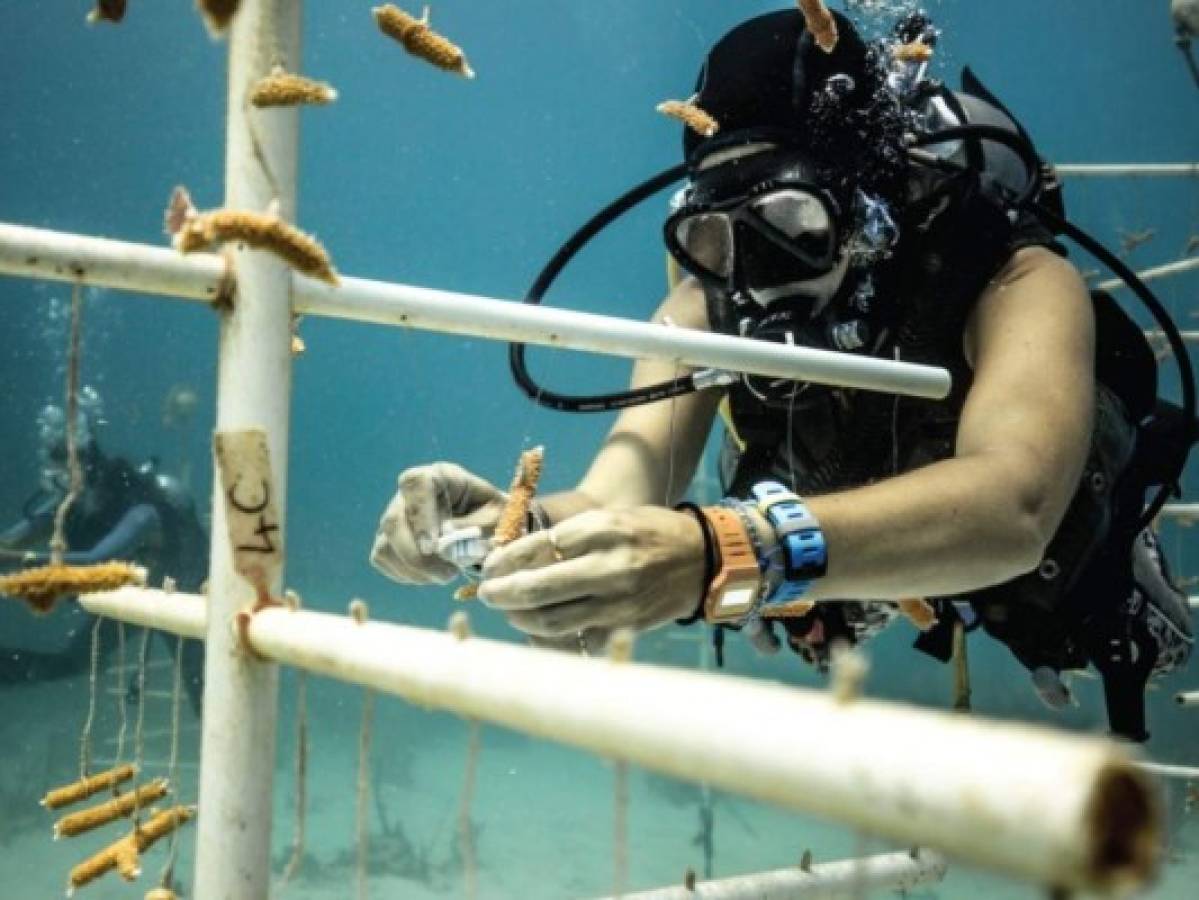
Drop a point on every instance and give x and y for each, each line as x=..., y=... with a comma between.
x=709, y=559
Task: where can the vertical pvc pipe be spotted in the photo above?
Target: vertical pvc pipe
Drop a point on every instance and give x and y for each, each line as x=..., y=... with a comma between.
x=253, y=390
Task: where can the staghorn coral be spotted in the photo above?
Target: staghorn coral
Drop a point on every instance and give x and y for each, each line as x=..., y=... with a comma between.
x=217, y=14
x=110, y=811
x=514, y=516
x=690, y=115
x=86, y=787
x=124, y=855
x=916, y=51
x=281, y=88
x=820, y=23
x=107, y=11
x=43, y=586
x=420, y=40
x=920, y=612
x=194, y=231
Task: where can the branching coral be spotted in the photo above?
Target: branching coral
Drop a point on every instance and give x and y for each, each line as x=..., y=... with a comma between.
x=820, y=23
x=217, y=14
x=690, y=115
x=420, y=40
x=110, y=811
x=513, y=521
x=43, y=586
x=107, y=11
x=281, y=88
x=86, y=787
x=194, y=231
x=124, y=855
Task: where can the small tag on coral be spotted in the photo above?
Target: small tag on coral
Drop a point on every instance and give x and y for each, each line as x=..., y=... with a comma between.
x=251, y=516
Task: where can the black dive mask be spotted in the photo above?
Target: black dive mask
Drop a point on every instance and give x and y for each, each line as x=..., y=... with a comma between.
x=755, y=223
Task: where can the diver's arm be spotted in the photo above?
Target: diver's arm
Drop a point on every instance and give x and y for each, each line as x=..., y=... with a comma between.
x=36, y=524
x=652, y=451
x=120, y=543
x=986, y=514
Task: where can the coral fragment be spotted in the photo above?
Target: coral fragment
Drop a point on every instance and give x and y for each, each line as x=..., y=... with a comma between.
x=107, y=11
x=420, y=40
x=111, y=810
x=916, y=51
x=194, y=231
x=43, y=586
x=86, y=787
x=281, y=88
x=820, y=23
x=217, y=14
x=690, y=115
x=124, y=855
x=514, y=517
x=920, y=612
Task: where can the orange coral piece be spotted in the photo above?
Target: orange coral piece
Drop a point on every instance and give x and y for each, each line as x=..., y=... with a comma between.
x=110, y=811
x=195, y=231
x=792, y=610
x=820, y=23
x=281, y=88
x=86, y=787
x=513, y=519
x=124, y=854
x=467, y=592
x=921, y=613
x=420, y=40
x=916, y=51
x=690, y=115
x=42, y=587
x=217, y=14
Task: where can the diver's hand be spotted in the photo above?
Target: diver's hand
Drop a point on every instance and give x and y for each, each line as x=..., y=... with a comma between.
x=596, y=572
x=405, y=547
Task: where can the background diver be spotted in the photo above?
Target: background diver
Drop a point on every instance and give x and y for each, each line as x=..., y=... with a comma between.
x=124, y=512
x=848, y=202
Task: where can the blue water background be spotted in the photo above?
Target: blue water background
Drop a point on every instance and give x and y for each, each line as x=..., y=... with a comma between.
x=414, y=176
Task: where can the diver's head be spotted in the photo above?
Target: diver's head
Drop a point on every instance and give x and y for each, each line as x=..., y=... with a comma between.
x=810, y=145
x=52, y=439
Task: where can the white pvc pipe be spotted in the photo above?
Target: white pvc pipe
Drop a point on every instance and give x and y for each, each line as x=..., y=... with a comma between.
x=1155, y=274
x=1127, y=170
x=45, y=254
x=237, y=744
x=1054, y=808
x=1187, y=698
x=1166, y=771
x=899, y=871
x=1194, y=602
x=1181, y=511
x=1189, y=337
x=177, y=613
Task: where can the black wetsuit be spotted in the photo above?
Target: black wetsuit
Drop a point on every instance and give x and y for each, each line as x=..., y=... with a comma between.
x=124, y=512
x=1084, y=603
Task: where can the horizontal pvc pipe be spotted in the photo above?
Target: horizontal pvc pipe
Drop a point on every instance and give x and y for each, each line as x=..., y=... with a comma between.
x=1155, y=274
x=1189, y=337
x=58, y=256
x=1165, y=771
x=1127, y=170
x=1181, y=511
x=1187, y=698
x=36, y=253
x=900, y=871
x=1194, y=601
x=1057, y=809
x=177, y=613
x=390, y=304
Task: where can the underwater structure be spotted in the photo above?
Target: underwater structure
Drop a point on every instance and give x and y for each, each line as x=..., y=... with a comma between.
x=1099, y=834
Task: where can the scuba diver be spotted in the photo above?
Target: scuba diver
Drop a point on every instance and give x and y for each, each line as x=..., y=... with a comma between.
x=122, y=512
x=849, y=202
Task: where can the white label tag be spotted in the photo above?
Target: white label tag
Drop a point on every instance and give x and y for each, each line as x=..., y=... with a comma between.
x=255, y=536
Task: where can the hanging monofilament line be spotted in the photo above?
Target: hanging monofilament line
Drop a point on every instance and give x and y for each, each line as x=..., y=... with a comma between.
x=58, y=541
x=168, y=869
x=364, y=769
x=466, y=837
x=961, y=668
x=139, y=746
x=620, y=829
x=85, y=738
x=119, y=670
x=301, y=798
